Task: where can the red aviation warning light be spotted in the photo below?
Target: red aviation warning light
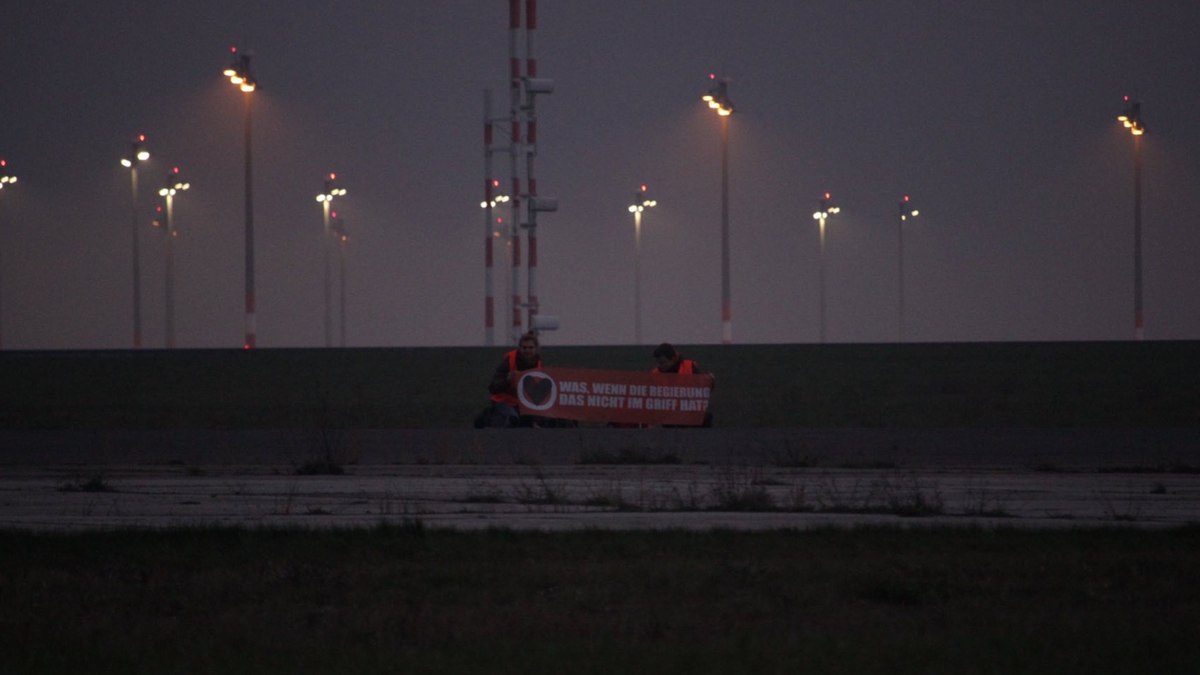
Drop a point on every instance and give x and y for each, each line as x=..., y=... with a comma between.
x=231, y=71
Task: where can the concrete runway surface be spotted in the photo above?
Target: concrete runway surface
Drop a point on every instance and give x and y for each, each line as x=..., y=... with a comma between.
x=563, y=479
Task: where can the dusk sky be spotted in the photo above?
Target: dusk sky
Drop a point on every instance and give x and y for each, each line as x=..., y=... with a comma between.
x=998, y=118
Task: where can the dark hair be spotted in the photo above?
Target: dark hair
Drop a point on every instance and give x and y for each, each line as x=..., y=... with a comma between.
x=530, y=336
x=665, y=350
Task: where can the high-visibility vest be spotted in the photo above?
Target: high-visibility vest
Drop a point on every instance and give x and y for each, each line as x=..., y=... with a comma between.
x=510, y=398
x=686, y=367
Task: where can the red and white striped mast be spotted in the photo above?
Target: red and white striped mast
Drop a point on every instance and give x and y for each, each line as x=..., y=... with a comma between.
x=530, y=153
x=514, y=110
x=534, y=85
x=519, y=110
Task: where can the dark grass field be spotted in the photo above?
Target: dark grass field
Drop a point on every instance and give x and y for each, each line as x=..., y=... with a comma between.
x=1060, y=385
x=410, y=599
x=404, y=599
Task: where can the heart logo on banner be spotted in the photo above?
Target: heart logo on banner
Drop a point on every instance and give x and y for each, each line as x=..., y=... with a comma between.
x=536, y=390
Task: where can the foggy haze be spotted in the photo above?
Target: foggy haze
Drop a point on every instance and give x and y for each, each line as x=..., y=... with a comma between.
x=998, y=118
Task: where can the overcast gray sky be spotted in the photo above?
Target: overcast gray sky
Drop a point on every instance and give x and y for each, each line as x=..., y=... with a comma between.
x=998, y=118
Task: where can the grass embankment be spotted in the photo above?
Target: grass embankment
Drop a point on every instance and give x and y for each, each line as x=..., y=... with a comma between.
x=411, y=600
x=1068, y=384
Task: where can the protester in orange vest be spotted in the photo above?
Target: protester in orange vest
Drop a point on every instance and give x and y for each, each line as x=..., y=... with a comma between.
x=504, y=409
x=671, y=361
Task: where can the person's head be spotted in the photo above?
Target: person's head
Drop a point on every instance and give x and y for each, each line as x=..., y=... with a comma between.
x=528, y=346
x=665, y=355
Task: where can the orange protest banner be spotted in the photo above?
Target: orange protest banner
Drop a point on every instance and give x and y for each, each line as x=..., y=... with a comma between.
x=624, y=397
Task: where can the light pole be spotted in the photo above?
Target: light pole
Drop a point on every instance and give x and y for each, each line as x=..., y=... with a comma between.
x=1132, y=119
x=906, y=211
x=825, y=210
x=238, y=73
x=717, y=99
x=489, y=203
x=326, y=200
x=137, y=154
x=6, y=178
x=641, y=202
x=338, y=228
x=173, y=185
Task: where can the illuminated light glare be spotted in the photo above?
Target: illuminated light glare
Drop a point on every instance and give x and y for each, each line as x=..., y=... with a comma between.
x=247, y=87
x=916, y=213
x=126, y=163
x=724, y=112
x=1138, y=131
x=236, y=79
x=143, y=155
x=707, y=98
